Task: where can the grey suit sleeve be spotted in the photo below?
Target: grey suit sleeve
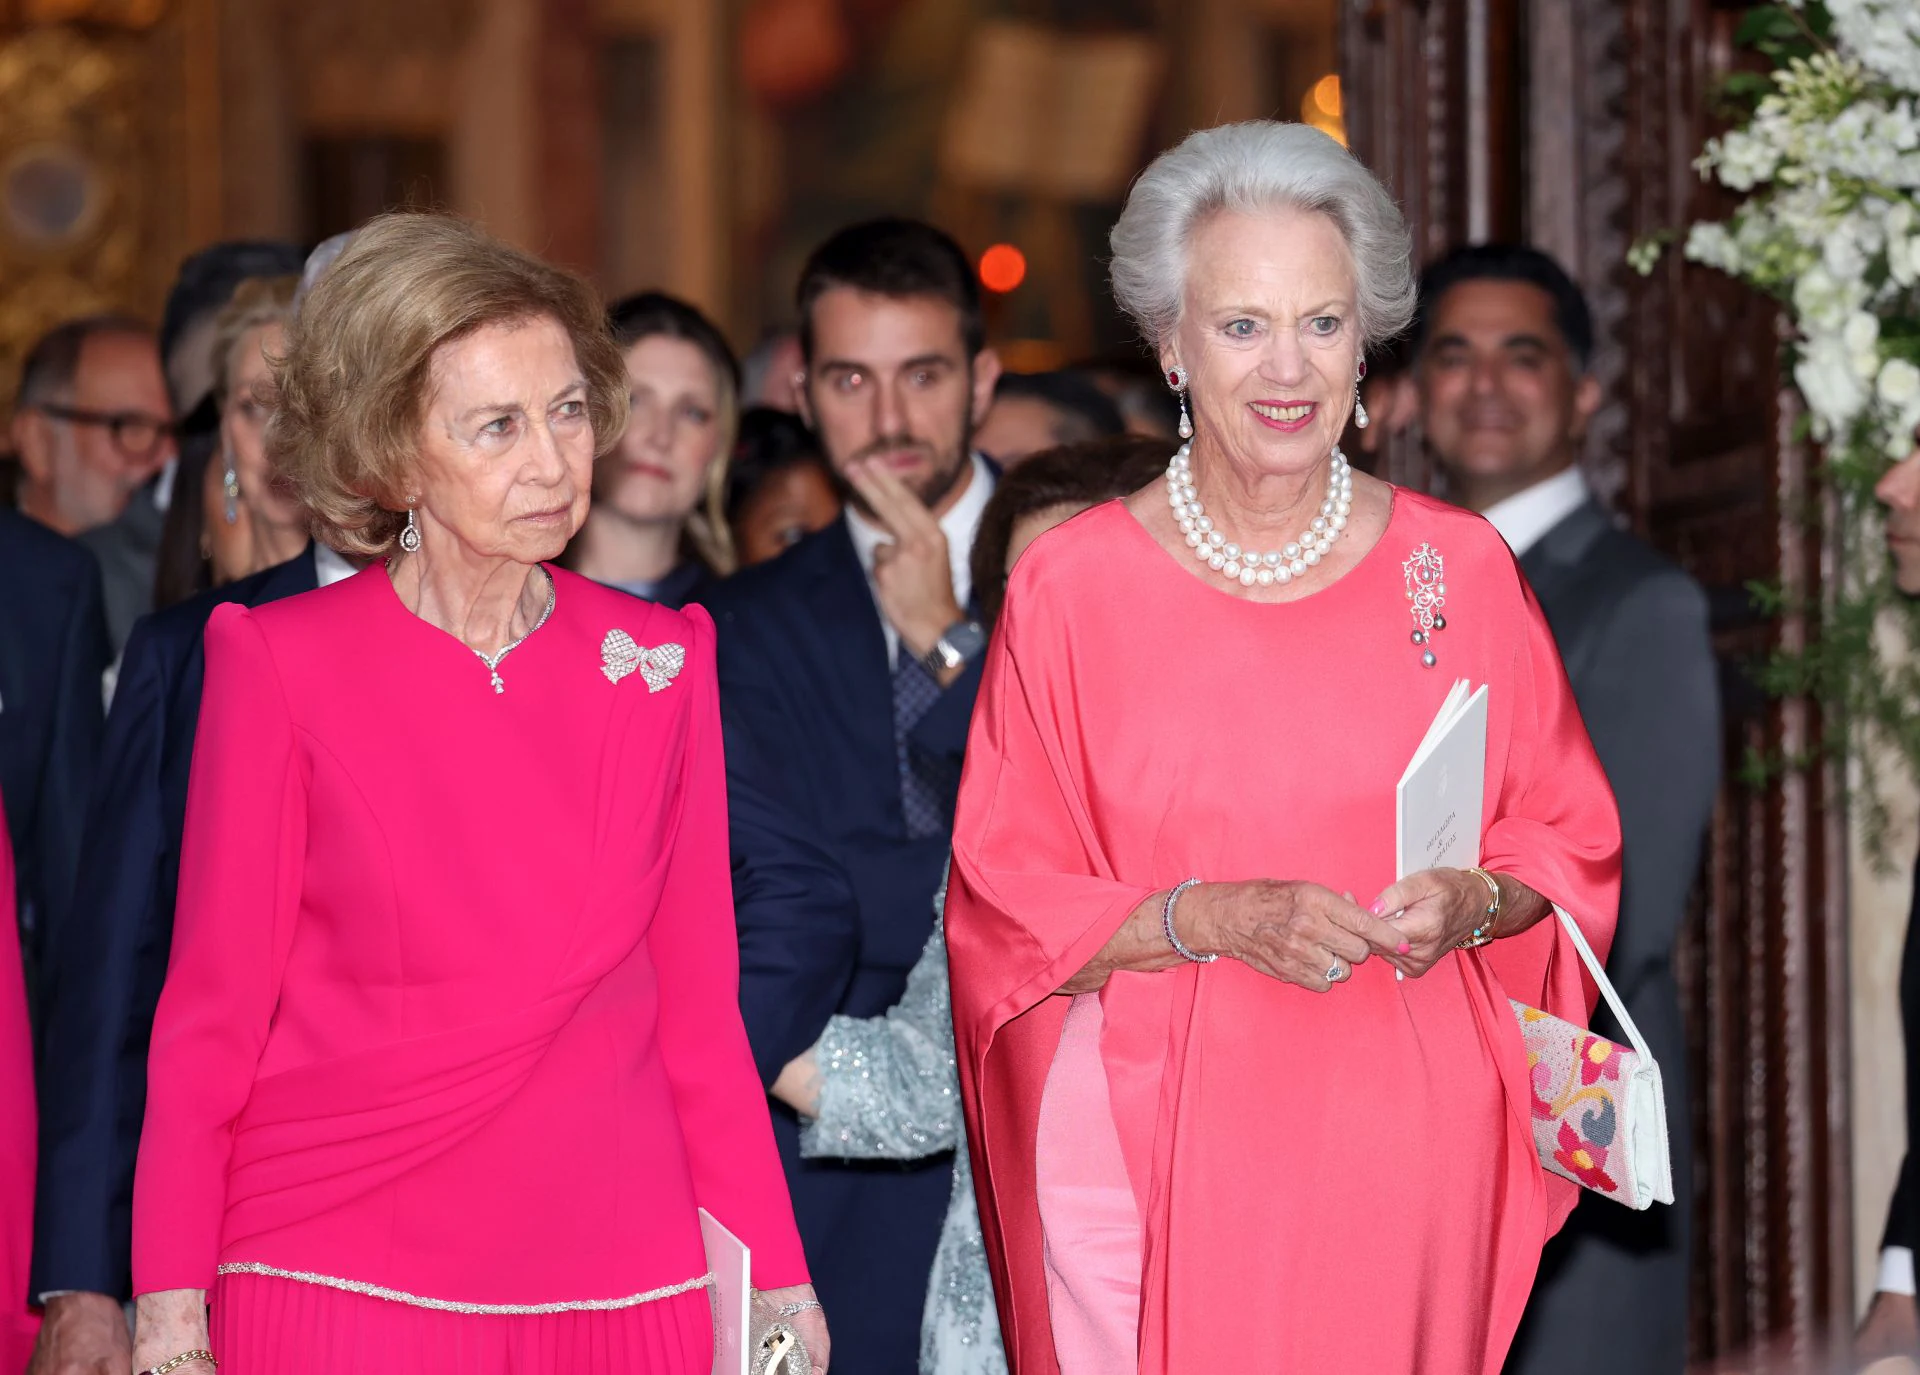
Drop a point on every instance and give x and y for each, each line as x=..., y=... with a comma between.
x=1652, y=707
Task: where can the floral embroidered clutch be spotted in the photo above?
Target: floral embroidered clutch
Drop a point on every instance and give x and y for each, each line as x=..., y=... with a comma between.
x=1599, y=1113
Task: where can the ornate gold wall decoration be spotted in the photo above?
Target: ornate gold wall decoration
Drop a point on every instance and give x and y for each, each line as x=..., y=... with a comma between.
x=70, y=193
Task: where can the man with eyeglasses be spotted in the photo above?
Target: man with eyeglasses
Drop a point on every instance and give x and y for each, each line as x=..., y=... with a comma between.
x=92, y=422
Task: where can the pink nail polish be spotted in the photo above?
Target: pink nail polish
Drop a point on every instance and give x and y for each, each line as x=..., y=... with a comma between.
x=1379, y=909
x=1406, y=948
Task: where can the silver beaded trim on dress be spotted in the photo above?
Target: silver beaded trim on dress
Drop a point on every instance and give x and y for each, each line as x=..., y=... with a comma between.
x=380, y=1291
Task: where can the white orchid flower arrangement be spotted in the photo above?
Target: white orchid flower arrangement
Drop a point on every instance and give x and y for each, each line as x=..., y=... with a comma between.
x=1828, y=163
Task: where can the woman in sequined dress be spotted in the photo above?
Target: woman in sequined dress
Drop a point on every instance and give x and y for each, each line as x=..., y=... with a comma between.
x=886, y=1088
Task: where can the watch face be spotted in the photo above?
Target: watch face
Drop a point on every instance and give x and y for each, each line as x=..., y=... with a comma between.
x=965, y=640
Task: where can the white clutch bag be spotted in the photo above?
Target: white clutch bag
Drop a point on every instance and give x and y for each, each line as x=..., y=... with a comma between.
x=1599, y=1112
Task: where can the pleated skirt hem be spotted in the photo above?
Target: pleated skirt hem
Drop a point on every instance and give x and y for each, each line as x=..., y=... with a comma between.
x=263, y=1325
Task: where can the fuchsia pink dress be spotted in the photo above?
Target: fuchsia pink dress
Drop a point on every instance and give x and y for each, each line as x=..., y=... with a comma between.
x=1322, y=1182
x=450, y=1051
x=17, y=1117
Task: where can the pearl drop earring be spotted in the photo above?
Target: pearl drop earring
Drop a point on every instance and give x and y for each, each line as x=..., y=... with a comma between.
x=1177, y=379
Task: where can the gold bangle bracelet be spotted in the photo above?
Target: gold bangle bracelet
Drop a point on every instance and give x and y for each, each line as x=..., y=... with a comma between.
x=1483, y=933
x=184, y=1358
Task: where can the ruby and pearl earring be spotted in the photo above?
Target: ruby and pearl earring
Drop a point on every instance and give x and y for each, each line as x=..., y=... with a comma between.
x=1249, y=567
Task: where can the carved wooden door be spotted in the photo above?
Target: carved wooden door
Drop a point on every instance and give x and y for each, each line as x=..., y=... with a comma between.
x=1574, y=124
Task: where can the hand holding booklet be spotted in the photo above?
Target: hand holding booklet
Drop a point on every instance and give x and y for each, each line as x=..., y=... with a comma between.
x=1599, y=1112
x=748, y=1337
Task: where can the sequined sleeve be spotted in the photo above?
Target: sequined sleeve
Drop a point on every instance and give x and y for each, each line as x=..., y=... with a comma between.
x=888, y=1085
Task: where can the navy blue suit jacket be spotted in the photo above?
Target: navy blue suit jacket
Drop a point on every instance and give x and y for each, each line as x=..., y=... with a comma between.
x=834, y=902
x=105, y=966
x=53, y=651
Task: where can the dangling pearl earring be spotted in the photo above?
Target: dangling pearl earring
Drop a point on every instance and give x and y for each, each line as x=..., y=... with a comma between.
x=410, y=537
x=1177, y=379
x=1359, y=408
x=230, y=481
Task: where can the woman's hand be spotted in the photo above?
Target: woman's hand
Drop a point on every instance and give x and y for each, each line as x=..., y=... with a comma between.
x=1436, y=909
x=166, y=1324
x=799, y=1084
x=1294, y=932
x=810, y=1323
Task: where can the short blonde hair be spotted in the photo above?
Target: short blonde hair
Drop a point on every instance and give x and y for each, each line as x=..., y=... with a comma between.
x=353, y=387
x=256, y=303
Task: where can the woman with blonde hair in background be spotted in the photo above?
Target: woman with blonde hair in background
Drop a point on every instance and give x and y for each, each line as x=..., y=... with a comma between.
x=658, y=527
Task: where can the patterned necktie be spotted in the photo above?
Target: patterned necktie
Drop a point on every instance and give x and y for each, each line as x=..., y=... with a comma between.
x=923, y=784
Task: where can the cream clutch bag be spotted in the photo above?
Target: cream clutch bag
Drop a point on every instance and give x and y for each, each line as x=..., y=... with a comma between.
x=1599, y=1111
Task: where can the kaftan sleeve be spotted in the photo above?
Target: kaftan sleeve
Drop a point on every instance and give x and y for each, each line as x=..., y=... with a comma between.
x=241, y=871
x=723, y=1111
x=1555, y=828
x=887, y=1086
x=1034, y=894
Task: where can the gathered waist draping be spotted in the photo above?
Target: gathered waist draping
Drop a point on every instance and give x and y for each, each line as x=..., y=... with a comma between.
x=317, y=1136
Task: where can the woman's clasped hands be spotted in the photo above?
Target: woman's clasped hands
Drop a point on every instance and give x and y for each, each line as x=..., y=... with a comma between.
x=1307, y=934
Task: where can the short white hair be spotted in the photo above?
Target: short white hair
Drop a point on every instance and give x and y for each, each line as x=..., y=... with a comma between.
x=1247, y=168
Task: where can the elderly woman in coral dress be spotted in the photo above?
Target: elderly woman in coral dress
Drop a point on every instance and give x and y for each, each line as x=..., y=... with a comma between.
x=1239, y=1099
x=449, y=1055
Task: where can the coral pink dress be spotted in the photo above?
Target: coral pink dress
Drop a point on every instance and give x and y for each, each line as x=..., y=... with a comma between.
x=450, y=1052
x=1339, y=1181
x=17, y=1117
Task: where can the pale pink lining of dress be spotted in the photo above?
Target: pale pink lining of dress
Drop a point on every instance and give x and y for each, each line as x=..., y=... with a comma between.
x=1088, y=1214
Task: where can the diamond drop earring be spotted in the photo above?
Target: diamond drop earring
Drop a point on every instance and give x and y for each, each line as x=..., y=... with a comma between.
x=1359, y=408
x=230, y=482
x=1177, y=379
x=410, y=537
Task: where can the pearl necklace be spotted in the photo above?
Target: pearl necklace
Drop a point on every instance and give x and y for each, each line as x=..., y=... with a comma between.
x=1246, y=566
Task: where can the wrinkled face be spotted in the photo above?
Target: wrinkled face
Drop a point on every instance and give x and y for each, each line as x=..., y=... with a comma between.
x=891, y=379
x=1899, y=492
x=1019, y=427
x=1502, y=398
x=1269, y=338
x=506, y=445
x=659, y=469
x=243, y=425
x=98, y=444
x=791, y=504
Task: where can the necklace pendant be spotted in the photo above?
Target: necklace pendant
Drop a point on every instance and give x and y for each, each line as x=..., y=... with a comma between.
x=498, y=686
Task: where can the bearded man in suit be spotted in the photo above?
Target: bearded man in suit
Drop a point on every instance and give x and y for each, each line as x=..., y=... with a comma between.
x=1501, y=355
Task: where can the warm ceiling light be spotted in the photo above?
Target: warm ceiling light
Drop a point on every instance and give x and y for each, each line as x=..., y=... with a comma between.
x=1002, y=268
x=1325, y=96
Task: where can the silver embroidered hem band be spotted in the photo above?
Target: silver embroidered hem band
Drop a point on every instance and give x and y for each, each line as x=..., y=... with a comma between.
x=380, y=1291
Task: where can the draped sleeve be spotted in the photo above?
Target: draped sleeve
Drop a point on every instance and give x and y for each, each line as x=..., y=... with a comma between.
x=716, y=1091
x=1555, y=827
x=1034, y=895
x=241, y=868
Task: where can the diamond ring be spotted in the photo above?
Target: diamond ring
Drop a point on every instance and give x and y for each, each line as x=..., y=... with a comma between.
x=1336, y=971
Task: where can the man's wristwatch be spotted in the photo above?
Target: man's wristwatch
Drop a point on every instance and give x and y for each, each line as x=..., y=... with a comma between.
x=959, y=644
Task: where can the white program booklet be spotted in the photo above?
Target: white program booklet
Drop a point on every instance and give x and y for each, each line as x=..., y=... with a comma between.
x=730, y=1262
x=1443, y=792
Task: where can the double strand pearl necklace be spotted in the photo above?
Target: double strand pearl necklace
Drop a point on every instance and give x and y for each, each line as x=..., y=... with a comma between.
x=1246, y=566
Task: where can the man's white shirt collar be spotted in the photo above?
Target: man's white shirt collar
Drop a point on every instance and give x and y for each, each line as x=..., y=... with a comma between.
x=1524, y=518
x=960, y=524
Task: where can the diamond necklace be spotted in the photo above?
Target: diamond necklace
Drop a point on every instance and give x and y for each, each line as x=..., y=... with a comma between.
x=1247, y=566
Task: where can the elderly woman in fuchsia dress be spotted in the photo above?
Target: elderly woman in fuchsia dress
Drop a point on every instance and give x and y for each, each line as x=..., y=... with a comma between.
x=1240, y=1100
x=450, y=1055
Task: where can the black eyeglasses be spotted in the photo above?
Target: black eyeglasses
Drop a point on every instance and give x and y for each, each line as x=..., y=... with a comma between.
x=135, y=433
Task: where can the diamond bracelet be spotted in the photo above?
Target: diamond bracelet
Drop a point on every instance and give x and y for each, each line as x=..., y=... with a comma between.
x=1166, y=924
